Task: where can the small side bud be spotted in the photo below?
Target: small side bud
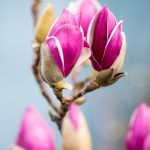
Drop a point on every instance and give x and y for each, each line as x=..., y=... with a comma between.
x=80, y=101
x=108, y=77
x=104, y=78
x=49, y=69
x=44, y=24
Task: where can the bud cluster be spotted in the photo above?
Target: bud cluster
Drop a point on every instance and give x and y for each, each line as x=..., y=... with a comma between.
x=76, y=37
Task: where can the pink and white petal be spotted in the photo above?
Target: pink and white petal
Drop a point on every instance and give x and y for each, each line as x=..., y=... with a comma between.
x=55, y=22
x=85, y=54
x=34, y=132
x=85, y=16
x=71, y=41
x=117, y=65
x=113, y=47
x=56, y=51
x=86, y=44
x=140, y=124
x=100, y=35
x=111, y=22
x=95, y=64
x=90, y=33
x=66, y=18
x=81, y=29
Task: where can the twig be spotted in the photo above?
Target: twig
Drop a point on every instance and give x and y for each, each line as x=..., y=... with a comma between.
x=35, y=10
x=35, y=68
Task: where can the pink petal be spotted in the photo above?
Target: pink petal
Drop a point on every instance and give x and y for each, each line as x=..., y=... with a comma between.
x=95, y=64
x=111, y=21
x=55, y=49
x=118, y=63
x=139, y=126
x=130, y=142
x=147, y=143
x=104, y=26
x=87, y=11
x=90, y=33
x=34, y=133
x=74, y=115
x=113, y=47
x=68, y=36
x=66, y=18
x=85, y=54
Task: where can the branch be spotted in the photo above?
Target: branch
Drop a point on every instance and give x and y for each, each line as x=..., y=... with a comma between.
x=35, y=68
x=35, y=10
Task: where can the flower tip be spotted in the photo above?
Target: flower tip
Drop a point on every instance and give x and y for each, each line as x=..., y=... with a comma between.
x=66, y=10
x=30, y=110
x=143, y=105
x=106, y=8
x=121, y=23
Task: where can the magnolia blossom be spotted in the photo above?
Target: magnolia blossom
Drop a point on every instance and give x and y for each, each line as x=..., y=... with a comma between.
x=34, y=133
x=84, y=10
x=66, y=43
x=75, y=132
x=138, y=136
x=107, y=41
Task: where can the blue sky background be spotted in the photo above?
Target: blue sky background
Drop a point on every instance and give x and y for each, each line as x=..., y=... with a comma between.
x=107, y=110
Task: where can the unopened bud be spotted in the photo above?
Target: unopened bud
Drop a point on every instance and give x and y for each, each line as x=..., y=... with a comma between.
x=75, y=132
x=104, y=78
x=44, y=24
x=49, y=69
x=108, y=77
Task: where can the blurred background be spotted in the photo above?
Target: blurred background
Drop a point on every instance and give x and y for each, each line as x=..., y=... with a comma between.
x=108, y=109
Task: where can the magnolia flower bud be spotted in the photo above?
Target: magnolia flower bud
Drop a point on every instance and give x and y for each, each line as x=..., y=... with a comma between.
x=34, y=133
x=49, y=70
x=75, y=132
x=108, y=46
x=44, y=24
x=138, y=136
x=66, y=43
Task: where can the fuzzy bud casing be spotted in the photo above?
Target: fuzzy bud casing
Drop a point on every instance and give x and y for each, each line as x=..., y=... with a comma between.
x=49, y=69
